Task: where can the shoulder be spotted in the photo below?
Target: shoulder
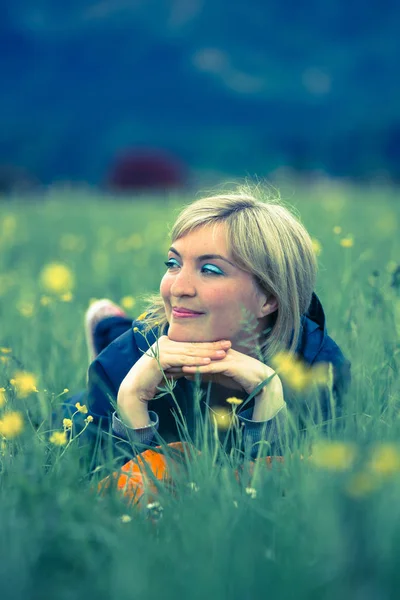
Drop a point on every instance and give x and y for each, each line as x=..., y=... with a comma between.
x=316, y=346
x=115, y=361
x=329, y=352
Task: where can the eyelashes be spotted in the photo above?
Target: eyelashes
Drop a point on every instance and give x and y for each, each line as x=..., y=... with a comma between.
x=211, y=269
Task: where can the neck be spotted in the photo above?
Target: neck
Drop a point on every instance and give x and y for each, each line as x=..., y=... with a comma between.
x=250, y=342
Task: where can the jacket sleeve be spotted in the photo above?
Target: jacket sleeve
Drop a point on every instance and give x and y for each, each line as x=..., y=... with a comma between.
x=141, y=435
x=102, y=395
x=107, y=372
x=268, y=433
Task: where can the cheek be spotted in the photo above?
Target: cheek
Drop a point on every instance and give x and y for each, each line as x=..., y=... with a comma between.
x=215, y=299
x=164, y=287
x=224, y=305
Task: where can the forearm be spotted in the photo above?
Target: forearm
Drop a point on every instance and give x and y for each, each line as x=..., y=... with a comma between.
x=133, y=411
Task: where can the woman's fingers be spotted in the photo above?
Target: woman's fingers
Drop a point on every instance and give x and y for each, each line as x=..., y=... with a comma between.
x=212, y=351
x=201, y=368
x=171, y=354
x=193, y=363
x=176, y=362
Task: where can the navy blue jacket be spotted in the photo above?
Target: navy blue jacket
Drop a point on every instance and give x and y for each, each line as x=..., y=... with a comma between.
x=111, y=366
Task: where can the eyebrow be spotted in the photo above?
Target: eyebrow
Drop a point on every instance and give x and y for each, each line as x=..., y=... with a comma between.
x=204, y=256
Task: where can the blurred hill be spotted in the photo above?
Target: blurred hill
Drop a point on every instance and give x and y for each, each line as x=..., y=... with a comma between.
x=244, y=87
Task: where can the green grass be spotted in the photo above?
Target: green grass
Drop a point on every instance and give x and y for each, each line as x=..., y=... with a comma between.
x=307, y=533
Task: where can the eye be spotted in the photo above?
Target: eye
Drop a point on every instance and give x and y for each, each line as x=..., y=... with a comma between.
x=171, y=263
x=213, y=270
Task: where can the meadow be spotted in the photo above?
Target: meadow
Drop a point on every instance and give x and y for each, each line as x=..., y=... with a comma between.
x=312, y=527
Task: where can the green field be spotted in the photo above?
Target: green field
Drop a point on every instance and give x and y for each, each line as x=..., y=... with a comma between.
x=321, y=528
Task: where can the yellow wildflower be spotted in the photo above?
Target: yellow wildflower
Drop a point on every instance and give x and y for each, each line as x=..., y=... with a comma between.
x=9, y=225
x=11, y=424
x=58, y=438
x=385, y=460
x=4, y=350
x=142, y=316
x=5, y=359
x=82, y=409
x=65, y=391
x=67, y=297
x=321, y=373
x=67, y=423
x=45, y=300
x=333, y=456
x=299, y=378
x=57, y=278
x=234, y=400
x=24, y=383
x=361, y=484
x=337, y=230
x=297, y=374
x=222, y=417
x=26, y=309
x=3, y=398
x=126, y=519
x=347, y=242
x=317, y=246
x=135, y=329
x=128, y=302
x=89, y=419
x=283, y=362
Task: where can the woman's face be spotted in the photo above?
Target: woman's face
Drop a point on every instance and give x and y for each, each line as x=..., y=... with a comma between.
x=202, y=277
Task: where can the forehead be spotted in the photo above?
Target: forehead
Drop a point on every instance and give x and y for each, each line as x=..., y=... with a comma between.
x=210, y=239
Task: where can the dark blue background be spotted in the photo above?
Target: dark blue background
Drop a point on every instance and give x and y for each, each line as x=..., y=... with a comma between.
x=241, y=87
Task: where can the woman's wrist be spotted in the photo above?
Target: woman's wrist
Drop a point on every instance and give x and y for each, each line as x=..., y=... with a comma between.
x=133, y=411
x=269, y=401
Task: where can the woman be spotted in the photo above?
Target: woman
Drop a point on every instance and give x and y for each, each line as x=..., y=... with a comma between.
x=238, y=289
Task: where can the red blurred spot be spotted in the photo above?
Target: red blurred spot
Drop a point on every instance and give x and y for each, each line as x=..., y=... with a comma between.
x=146, y=170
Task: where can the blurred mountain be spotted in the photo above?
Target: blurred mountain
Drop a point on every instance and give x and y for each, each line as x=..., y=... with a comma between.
x=242, y=88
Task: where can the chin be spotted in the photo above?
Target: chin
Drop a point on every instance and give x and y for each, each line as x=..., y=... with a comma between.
x=183, y=334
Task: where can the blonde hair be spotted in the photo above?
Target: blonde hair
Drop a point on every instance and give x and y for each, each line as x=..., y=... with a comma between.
x=266, y=240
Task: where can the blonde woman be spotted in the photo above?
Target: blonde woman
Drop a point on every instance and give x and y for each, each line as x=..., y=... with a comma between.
x=238, y=289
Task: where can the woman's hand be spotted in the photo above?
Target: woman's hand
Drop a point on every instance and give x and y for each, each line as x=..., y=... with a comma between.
x=147, y=373
x=236, y=370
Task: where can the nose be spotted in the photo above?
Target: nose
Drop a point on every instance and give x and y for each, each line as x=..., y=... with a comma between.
x=183, y=284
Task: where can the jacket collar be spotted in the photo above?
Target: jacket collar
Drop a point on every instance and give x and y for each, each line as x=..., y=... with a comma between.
x=313, y=331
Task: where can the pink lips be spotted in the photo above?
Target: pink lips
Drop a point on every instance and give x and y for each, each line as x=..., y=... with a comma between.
x=184, y=314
